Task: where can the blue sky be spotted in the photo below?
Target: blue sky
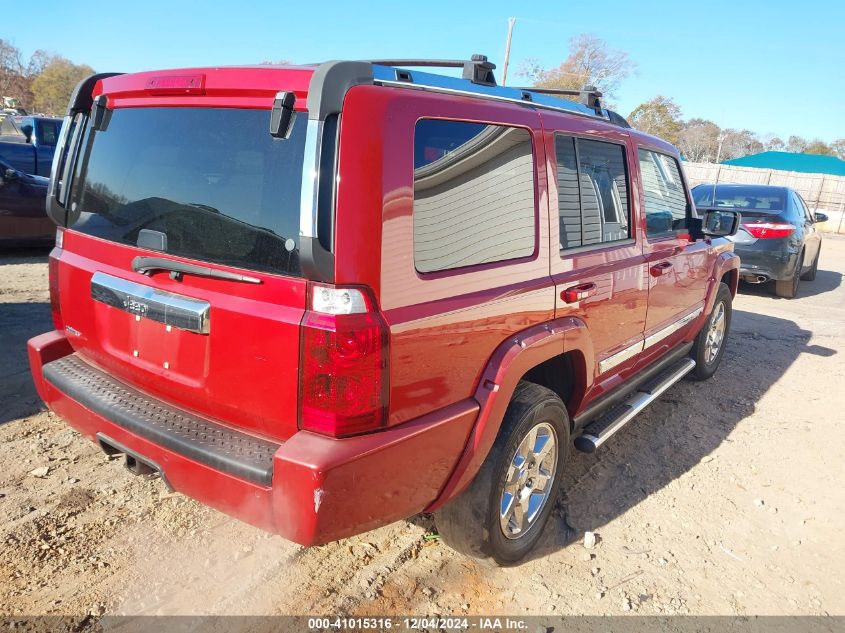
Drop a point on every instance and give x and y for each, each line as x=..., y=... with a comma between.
x=774, y=67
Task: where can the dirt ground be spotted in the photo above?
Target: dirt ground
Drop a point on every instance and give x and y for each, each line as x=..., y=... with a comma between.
x=724, y=497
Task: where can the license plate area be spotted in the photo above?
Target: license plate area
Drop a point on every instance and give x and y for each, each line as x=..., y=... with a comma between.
x=145, y=302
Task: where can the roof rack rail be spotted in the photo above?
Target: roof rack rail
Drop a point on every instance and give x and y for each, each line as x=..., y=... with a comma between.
x=589, y=95
x=477, y=69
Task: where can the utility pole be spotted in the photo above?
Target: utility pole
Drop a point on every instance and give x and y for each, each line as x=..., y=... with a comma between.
x=511, y=22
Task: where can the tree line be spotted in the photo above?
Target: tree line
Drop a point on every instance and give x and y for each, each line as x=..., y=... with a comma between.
x=591, y=62
x=45, y=81
x=41, y=84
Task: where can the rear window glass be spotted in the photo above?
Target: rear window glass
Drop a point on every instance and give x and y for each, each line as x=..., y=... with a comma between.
x=740, y=197
x=211, y=180
x=474, y=197
x=49, y=131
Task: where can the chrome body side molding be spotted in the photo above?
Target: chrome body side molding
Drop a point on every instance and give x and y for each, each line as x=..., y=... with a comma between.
x=658, y=336
x=620, y=357
x=632, y=350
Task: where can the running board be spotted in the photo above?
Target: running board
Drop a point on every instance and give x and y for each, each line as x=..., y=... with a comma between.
x=599, y=431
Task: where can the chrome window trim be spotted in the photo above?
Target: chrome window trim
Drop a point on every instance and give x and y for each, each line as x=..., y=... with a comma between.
x=184, y=313
x=310, y=176
x=58, y=154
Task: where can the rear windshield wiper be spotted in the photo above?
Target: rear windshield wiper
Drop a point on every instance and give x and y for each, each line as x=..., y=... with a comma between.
x=148, y=265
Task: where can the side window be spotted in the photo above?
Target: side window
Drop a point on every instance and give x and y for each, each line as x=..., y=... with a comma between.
x=48, y=132
x=703, y=196
x=803, y=209
x=568, y=196
x=10, y=131
x=592, y=192
x=474, y=194
x=604, y=192
x=663, y=190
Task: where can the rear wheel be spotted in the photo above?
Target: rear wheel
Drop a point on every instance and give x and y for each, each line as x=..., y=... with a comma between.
x=709, y=345
x=810, y=275
x=502, y=513
x=788, y=288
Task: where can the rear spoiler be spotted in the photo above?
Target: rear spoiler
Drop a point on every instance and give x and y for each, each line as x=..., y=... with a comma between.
x=81, y=101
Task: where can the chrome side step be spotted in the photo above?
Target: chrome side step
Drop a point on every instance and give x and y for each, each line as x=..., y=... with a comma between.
x=600, y=430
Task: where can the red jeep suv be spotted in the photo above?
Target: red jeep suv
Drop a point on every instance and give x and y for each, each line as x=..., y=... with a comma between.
x=325, y=298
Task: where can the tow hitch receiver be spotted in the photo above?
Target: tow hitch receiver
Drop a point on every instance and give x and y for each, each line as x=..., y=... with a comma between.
x=135, y=464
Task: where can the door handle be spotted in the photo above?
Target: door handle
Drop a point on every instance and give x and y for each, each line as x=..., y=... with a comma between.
x=660, y=269
x=576, y=293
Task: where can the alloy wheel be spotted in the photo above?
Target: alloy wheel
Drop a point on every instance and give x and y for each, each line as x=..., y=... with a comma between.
x=715, y=334
x=530, y=475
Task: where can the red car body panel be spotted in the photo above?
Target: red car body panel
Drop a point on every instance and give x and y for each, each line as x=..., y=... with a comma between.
x=251, y=381
x=459, y=340
x=323, y=489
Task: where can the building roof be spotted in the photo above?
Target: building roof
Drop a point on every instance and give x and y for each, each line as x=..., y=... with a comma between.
x=792, y=161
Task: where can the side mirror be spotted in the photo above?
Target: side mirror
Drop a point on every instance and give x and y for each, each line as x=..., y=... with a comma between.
x=8, y=175
x=718, y=223
x=27, y=132
x=821, y=217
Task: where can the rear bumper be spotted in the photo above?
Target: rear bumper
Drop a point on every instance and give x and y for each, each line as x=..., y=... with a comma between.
x=772, y=264
x=318, y=489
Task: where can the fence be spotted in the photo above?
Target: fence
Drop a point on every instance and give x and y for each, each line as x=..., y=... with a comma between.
x=821, y=192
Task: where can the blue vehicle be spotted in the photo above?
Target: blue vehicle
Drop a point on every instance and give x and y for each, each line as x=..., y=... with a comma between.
x=777, y=240
x=27, y=143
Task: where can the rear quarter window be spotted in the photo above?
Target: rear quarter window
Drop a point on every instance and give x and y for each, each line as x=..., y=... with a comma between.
x=474, y=194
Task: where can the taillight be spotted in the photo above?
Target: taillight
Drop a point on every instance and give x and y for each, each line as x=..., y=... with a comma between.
x=344, y=358
x=53, y=276
x=769, y=230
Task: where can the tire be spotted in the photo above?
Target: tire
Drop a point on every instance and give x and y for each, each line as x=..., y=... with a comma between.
x=706, y=362
x=471, y=522
x=788, y=288
x=810, y=275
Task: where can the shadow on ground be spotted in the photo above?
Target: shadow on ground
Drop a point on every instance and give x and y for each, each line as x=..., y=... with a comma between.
x=18, y=323
x=28, y=255
x=825, y=281
x=677, y=431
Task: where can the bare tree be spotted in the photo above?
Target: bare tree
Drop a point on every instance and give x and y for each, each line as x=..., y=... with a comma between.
x=699, y=140
x=590, y=62
x=774, y=144
x=11, y=69
x=737, y=143
x=796, y=144
x=39, y=60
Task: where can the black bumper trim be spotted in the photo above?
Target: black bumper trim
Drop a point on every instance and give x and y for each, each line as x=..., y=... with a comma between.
x=208, y=443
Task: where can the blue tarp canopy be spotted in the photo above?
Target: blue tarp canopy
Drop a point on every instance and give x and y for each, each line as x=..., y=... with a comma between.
x=791, y=161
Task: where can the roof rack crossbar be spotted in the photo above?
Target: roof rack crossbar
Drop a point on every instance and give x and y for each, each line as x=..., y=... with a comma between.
x=589, y=95
x=477, y=69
